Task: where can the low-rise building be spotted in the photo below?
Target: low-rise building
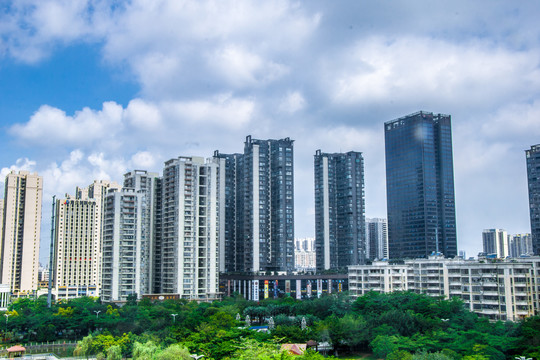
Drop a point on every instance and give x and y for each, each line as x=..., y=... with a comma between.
x=497, y=289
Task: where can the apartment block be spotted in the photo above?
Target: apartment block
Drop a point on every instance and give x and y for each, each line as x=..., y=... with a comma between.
x=521, y=245
x=190, y=223
x=495, y=242
x=376, y=239
x=126, y=245
x=496, y=289
x=340, y=234
x=258, y=210
x=77, y=243
x=304, y=254
x=533, y=180
x=21, y=228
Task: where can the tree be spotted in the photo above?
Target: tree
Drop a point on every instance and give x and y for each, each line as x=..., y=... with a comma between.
x=423, y=355
x=383, y=345
x=173, y=352
x=114, y=353
x=84, y=346
x=144, y=351
x=399, y=355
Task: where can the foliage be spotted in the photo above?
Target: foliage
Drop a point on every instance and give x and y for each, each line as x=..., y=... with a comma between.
x=173, y=352
x=397, y=325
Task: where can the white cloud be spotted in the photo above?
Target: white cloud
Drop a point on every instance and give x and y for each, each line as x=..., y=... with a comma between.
x=514, y=120
x=143, y=160
x=293, y=102
x=242, y=68
x=20, y=164
x=413, y=69
x=223, y=111
x=142, y=114
x=51, y=126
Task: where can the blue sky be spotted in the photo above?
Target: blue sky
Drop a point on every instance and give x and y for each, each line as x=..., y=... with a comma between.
x=92, y=89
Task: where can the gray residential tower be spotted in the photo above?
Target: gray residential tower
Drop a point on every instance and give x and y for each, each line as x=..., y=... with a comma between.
x=533, y=177
x=339, y=210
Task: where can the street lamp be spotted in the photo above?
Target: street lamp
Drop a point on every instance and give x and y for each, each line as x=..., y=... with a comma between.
x=7, y=317
x=174, y=317
x=97, y=313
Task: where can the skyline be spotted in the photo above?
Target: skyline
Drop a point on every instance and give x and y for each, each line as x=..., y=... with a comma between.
x=92, y=90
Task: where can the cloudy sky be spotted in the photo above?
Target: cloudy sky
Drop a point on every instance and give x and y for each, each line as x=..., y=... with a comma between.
x=92, y=89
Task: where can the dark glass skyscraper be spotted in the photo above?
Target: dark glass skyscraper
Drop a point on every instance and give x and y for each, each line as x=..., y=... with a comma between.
x=420, y=186
x=340, y=236
x=533, y=176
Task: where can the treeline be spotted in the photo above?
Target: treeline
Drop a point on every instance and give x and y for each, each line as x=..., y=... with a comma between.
x=399, y=325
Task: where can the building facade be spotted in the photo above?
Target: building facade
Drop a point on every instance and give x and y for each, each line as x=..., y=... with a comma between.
x=533, y=177
x=376, y=239
x=304, y=254
x=77, y=241
x=521, y=245
x=268, y=205
x=127, y=263
x=231, y=177
x=340, y=234
x=498, y=290
x=21, y=228
x=150, y=184
x=495, y=242
x=258, y=215
x=420, y=186
x=190, y=228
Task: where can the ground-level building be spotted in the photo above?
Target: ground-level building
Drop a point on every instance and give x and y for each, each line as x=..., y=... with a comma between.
x=298, y=286
x=496, y=289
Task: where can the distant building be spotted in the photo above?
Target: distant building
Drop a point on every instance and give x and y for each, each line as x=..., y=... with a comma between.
x=304, y=254
x=533, y=177
x=498, y=290
x=420, y=186
x=340, y=233
x=376, y=239
x=521, y=245
x=21, y=228
x=495, y=241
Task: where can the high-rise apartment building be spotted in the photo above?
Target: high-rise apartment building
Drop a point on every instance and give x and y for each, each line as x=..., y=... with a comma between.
x=268, y=205
x=259, y=206
x=231, y=176
x=521, y=244
x=304, y=254
x=129, y=237
x=190, y=228
x=420, y=186
x=495, y=242
x=533, y=176
x=339, y=210
x=376, y=239
x=77, y=241
x=21, y=232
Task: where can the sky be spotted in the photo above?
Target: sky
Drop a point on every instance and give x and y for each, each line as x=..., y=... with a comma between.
x=93, y=89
